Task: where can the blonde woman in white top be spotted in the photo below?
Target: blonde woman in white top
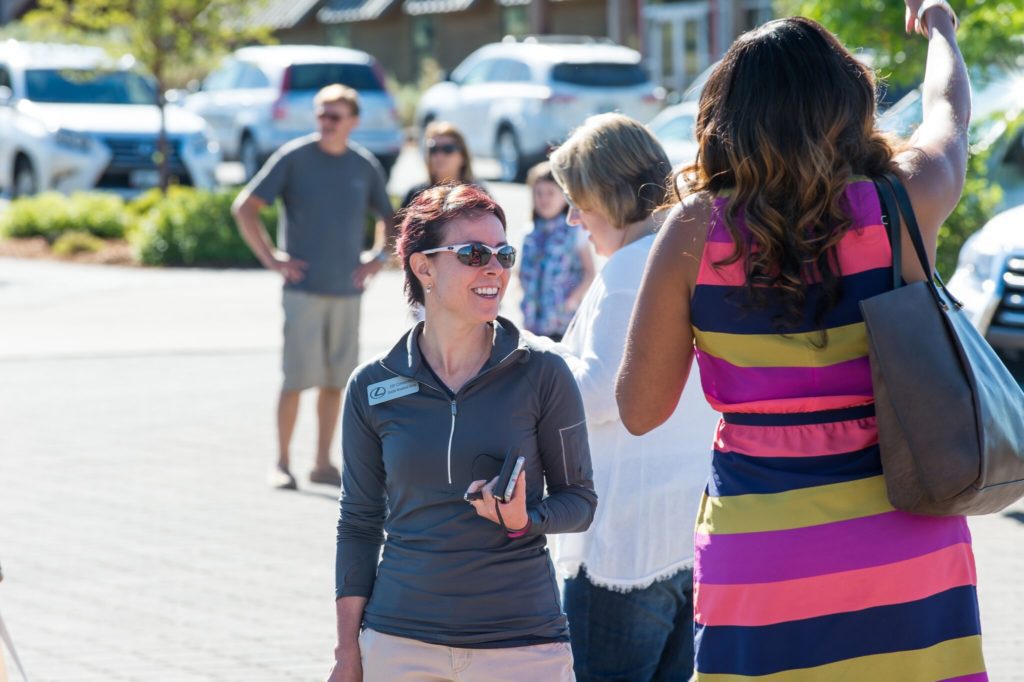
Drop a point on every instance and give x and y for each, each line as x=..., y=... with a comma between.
x=629, y=590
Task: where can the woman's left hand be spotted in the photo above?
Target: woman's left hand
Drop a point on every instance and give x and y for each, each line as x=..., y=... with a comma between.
x=513, y=512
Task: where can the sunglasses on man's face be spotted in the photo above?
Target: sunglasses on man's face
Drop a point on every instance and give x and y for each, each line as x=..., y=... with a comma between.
x=443, y=148
x=330, y=116
x=477, y=255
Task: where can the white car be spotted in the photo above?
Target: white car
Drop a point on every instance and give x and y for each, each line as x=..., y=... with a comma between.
x=261, y=97
x=989, y=279
x=675, y=129
x=514, y=101
x=73, y=119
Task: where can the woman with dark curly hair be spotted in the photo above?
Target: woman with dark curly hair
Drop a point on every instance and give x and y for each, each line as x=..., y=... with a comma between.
x=804, y=570
x=464, y=589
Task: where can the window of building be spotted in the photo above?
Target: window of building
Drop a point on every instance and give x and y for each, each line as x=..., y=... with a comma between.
x=339, y=35
x=424, y=37
x=756, y=12
x=515, y=21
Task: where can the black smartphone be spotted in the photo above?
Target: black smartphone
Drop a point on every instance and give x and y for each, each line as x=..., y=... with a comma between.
x=506, y=483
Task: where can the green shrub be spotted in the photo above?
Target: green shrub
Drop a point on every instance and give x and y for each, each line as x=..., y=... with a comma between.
x=51, y=214
x=194, y=227
x=71, y=243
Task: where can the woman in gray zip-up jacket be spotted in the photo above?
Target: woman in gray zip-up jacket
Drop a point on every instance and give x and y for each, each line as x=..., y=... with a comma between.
x=459, y=591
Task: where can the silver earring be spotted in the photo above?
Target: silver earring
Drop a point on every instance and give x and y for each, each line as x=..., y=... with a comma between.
x=429, y=288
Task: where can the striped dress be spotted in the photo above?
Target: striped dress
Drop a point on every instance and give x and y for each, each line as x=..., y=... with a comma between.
x=804, y=571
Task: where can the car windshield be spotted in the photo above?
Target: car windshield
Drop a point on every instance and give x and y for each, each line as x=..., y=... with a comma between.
x=312, y=77
x=601, y=75
x=86, y=86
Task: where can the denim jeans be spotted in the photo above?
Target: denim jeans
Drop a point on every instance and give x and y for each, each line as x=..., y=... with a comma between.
x=632, y=636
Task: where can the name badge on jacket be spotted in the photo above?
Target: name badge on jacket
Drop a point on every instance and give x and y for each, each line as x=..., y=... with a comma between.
x=383, y=391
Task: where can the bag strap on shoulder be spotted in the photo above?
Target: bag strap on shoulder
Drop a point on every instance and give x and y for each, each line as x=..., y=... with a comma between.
x=891, y=216
x=914, y=231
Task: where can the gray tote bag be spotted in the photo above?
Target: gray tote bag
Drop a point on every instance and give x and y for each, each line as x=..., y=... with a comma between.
x=950, y=415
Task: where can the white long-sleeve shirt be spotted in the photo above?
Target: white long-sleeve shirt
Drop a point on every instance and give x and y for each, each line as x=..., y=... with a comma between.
x=650, y=485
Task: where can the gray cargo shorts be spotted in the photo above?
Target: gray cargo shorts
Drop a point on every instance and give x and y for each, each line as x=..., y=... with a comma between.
x=321, y=340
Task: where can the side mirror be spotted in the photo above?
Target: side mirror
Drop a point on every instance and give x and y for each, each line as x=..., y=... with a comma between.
x=446, y=76
x=6, y=95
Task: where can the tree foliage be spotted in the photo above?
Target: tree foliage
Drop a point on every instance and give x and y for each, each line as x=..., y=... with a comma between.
x=991, y=32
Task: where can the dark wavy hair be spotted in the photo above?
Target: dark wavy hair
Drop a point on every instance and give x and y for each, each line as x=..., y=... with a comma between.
x=425, y=220
x=784, y=122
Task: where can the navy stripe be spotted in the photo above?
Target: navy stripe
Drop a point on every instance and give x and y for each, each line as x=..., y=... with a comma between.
x=722, y=309
x=799, y=418
x=735, y=474
x=767, y=649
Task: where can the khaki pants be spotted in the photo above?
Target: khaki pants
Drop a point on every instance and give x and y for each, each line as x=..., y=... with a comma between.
x=400, y=659
x=321, y=340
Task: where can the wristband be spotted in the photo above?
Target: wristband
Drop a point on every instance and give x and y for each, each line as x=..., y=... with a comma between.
x=517, y=533
x=382, y=256
x=943, y=5
x=513, y=534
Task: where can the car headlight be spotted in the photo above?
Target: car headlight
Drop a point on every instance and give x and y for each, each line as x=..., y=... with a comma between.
x=979, y=263
x=202, y=144
x=70, y=139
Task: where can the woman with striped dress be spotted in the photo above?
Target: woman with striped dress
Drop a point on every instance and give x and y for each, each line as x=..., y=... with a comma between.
x=804, y=571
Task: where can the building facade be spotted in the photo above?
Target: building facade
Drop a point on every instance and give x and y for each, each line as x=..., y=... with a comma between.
x=678, y=39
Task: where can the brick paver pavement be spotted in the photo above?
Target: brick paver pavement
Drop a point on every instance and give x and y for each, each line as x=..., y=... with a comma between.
x=137, y=535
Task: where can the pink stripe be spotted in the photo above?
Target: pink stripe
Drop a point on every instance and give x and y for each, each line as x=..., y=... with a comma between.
x=828, y=548
x=976, y=677
x=810, y=440
x=726, y=383
x=859, y=251
x=790, y=405
x=822, y=595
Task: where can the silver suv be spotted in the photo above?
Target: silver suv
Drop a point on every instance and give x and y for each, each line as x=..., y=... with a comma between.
x=261, y=97
x=514, y=100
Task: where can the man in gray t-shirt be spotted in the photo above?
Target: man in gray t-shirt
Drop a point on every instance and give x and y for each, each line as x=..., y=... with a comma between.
x=327, y=185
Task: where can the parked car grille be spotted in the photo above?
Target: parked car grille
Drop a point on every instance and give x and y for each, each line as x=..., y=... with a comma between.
x=1010, y=312
x=132, y=154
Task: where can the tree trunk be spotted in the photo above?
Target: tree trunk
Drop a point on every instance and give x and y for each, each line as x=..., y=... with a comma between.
x=161, y=144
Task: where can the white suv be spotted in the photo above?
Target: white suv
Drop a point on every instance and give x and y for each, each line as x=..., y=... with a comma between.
x=515, y=100
x=261, y=97
x=73, y=119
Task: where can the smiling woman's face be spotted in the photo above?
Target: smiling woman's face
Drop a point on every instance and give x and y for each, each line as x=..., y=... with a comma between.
x=471, y=294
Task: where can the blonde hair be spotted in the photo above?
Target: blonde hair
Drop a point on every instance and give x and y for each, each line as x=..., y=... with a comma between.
x=332, y=94
x=439, y=128
x=614, y=165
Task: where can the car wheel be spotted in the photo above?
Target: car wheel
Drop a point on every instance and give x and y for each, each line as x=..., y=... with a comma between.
x=25, y=182
x=510, y=158
x=249, y=155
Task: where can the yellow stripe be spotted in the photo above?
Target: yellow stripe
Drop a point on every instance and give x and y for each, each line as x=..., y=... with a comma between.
x=952, y=658
x=845, y=343
x=794, y=508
